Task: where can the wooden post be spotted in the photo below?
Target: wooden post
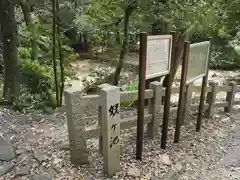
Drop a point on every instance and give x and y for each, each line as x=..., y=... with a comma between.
x=230, y=97
x=188, y=96
x=154, y=108
x=167, y=97
x=76, y=127
x=110, y=97
x=203, y=94
x=141, y=95
x=211, y=99
x=100, y=117
x=181, y=101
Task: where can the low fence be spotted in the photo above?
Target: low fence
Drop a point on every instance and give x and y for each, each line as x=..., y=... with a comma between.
x=109, y=121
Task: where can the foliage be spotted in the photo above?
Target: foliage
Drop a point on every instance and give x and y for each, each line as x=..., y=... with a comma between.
x=101, y=23
x=131, y=87
x=37, y=85
x=36, y=76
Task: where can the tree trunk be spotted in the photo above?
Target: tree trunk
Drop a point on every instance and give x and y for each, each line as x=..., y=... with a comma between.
x=61, y=58
x=54, y=57
x=127, y=15
x=179, y=51
x=32, y=27
x=10, y=53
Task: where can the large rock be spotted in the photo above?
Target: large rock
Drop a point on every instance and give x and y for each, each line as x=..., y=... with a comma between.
x=6, y=150
x=5, y=168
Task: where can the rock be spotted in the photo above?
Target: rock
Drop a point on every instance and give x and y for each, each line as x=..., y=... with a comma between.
x=25, y=159
x=165, y=159
x=20, y=151
x=171, y=175
x=23, y=171
x=6, y=150
x=133, y=171
x=41, y=177
x=178, y=167
x=39, y=157
x=5, y=168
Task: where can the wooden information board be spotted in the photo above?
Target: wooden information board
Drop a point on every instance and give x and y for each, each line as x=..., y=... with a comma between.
x=158, y=55
x=198, y=61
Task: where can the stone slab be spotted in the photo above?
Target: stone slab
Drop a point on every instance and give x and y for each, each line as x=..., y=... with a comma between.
x=6, y=150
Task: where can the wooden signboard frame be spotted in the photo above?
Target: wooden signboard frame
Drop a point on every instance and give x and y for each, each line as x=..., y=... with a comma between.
x=144, y=56
x=201, y=75
x=185, y=83
x=155, y=55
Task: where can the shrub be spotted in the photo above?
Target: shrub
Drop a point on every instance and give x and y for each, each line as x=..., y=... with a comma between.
x=131, y=87
x=37, y=77
x=37, y=85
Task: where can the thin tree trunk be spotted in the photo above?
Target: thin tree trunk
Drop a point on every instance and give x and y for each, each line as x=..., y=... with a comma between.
x=124, y=46
x=179, y=51
x=10, y=53
x=54, y=58
x=61, y=58
x=32, y=27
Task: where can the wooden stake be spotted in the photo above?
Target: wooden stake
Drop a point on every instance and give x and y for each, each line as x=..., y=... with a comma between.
x=141, y=95
x=182, y=99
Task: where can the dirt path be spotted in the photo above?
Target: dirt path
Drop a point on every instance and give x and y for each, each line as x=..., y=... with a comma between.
x=33, y=146
x=224, y=162
x=35, y=150
x=93, y=69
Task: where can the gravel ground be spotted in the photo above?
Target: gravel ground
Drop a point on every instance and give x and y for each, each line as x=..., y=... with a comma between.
x=38, y=146
x=38, y=142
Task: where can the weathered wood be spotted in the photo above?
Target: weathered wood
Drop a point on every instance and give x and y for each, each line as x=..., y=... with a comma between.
x=110, y=97
x=211, y=99
x=100, y=87
x=182, y=99
x=230, y=97
x=141, y=94
x=203, y=93
x=188, y=95
x=154, y=108
x=76, y=129
x=168, y=91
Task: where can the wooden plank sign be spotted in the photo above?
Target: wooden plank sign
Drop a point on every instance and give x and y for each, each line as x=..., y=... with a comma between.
x=158, y=55
x=154, y=61
x=198, y=61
